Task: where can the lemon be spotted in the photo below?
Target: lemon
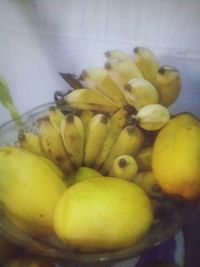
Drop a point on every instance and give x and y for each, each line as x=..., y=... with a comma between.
x=103, y=213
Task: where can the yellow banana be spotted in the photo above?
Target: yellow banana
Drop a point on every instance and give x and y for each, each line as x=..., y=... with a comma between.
x=146, y=62
x=140, y=92
x=53, y=145
x=153, y=117
x=55, y=116
x=144, y=159
x=124, y=167
x=117, y=54
x=97, y=130
x=168, y=84
x=117, y=122
x=86, y=116
x=88, y=99
x=121, y=72
x=98, y=79
x=31, y=142
x=128, y=142
x=72, y=132
x=147, y=181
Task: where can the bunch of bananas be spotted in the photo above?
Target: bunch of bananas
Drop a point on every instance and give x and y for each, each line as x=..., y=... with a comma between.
x=113, y=114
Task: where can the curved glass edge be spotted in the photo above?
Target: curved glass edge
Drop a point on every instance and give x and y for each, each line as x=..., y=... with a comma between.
x=34, y=110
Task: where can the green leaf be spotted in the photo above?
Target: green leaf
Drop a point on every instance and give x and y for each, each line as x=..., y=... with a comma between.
x=6, y=99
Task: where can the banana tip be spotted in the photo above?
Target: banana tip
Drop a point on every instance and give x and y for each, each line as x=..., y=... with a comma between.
x=107, y=54
x=122, y=163
x=69, y=118
x=136, y=50
x=107, y=65
x=83, y=75
x=161, y=70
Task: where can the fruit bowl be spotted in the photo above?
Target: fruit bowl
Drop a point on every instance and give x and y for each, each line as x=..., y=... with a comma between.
x=170, y=218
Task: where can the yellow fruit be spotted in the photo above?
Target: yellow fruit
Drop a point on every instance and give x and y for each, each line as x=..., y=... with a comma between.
x=88, y=99
x=124, y=167
x=84, y=173
x=168, y=84
x=72, y=133
x=129, y=142
x=98, y=80
x=140, y=92
x=147, y=181
x=121, y=72
x=117, y=55
x=102, y=214
x=29, y=189
x=117, y=121
x=55, y=116
x=53, y=145
x=31, y=142
x=146, y=62
x=153, y=117
x=176, y=157
x=144, y=158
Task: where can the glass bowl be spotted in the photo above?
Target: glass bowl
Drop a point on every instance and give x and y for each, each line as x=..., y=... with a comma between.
x=176, y=211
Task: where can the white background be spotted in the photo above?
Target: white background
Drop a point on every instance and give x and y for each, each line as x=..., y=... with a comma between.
x=39, y=38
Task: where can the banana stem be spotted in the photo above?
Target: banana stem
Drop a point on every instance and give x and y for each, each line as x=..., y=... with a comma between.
x=6, y=100
x=13, y=111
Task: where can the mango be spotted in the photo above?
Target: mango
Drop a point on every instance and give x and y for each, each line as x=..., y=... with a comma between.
x=176, y=157
x=102, y=214
x=30, y=187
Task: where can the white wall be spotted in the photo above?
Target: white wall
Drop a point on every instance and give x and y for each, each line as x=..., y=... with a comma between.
x=39, y=38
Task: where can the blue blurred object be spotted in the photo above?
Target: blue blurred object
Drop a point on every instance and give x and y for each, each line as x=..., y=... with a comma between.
x=164, y=252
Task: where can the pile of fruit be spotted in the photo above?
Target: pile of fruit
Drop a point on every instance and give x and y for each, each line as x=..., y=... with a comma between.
x=93, y=170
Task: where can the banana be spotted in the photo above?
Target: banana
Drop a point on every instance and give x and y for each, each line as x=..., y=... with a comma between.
x=117, y=54
x=128, y=142
x=53, y=145
x=97, y=131
x=140, y=92
x=72, y=132
x=86, y=116
x=144, y=158
x=153, y=117
x=117, y=122
x=124, y=167
x=146, y=62
x=147, y=181
x=168, y=84
x=31, y=142
x=98, y=79
x=88, y=99
x=121, y=72
x=55, y=116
